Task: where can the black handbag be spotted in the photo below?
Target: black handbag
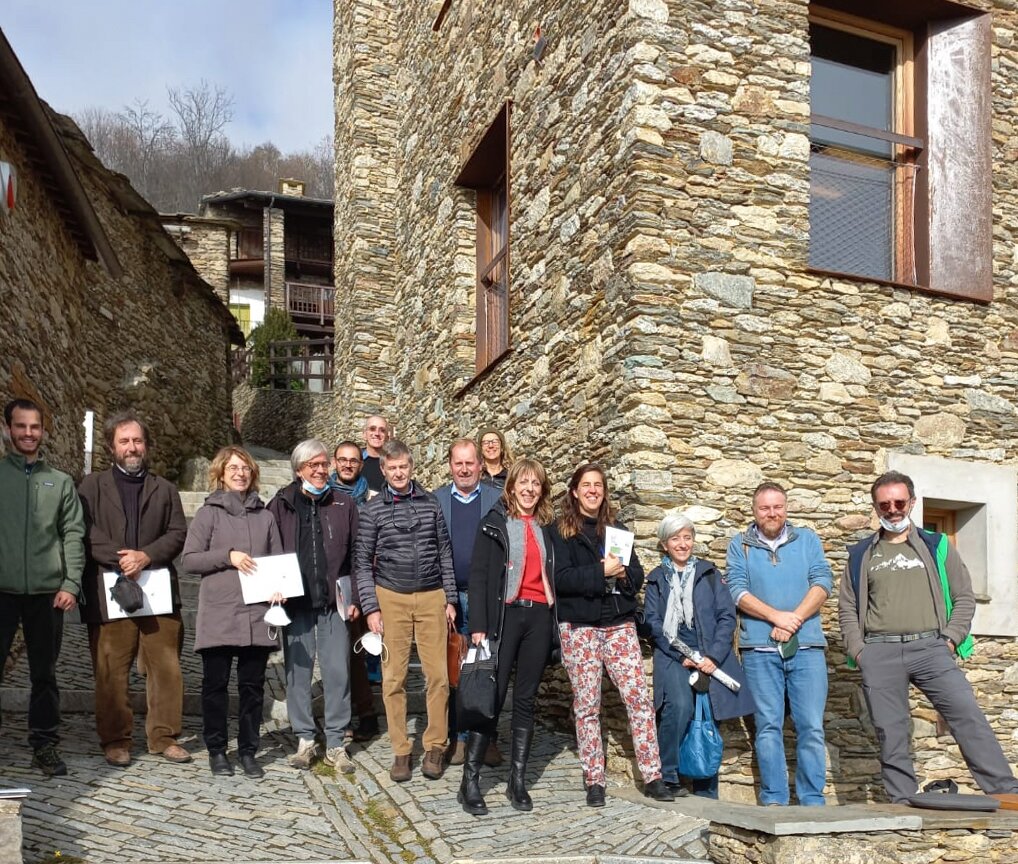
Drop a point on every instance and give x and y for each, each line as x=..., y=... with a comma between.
x=477, y=694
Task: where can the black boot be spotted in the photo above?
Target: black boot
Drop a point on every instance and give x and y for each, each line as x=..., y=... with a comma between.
x=516, y=791
x=470, y=788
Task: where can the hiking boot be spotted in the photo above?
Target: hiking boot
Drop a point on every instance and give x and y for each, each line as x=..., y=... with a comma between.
x=456, y=753
x=400, y=771
x=492, y=755
x=307, y=753
x=339, y=759
x=367, y=728
x=433, y=763
x=47, y=759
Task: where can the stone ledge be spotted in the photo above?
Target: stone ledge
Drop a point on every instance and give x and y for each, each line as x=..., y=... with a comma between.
x=10, y=831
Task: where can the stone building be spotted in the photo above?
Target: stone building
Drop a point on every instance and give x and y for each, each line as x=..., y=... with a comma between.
x=264, y=249
x=706, y=244
x=100, y=309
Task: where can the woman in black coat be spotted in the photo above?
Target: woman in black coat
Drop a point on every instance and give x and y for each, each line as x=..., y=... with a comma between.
x=511, y=597
x=597, y=625
x=686, y=598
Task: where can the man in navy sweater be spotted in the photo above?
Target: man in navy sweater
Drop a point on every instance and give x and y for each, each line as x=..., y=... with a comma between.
x=465, y=502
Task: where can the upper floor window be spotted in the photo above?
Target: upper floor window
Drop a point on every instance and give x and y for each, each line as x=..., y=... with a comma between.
x=901, y=159
x=487, y=172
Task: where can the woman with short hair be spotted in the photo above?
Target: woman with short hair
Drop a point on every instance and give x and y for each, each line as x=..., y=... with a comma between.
x=686, y=599
x=496, y=457
x=227, y=533
x=597, y=625
x=319, y=524
x=511, y=601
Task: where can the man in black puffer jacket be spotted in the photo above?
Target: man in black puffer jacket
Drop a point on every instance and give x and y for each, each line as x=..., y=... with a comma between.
x=407, y=587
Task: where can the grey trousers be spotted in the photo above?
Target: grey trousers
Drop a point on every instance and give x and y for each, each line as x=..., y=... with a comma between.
x=320, y=632
x=887, y=669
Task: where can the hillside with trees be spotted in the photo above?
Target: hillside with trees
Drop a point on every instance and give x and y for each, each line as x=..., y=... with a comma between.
x=172, y=160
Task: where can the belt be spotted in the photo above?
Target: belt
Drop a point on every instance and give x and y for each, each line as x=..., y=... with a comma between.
x=901, y=637
x=526, y=603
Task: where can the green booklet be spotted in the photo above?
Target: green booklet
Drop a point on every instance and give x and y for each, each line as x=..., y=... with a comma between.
x=786, y=650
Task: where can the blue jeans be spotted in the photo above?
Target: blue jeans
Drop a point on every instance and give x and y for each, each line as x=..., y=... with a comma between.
x=803, y=678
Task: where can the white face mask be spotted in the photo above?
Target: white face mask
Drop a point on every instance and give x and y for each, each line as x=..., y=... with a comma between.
x=276, y=617
x=371, y=643
x=895, y=527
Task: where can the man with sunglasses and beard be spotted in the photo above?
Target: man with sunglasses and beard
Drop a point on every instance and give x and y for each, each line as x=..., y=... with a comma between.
x=905, y=608
x=403, y=565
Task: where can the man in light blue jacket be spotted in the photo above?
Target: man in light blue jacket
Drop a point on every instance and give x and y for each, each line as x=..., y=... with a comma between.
x=779, y=579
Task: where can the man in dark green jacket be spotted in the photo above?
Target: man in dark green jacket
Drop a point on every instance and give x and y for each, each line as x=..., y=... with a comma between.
x=42, y=555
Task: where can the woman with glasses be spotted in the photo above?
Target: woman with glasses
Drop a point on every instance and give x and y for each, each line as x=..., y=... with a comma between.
x=687, y=600
x=511, y=599
x=596, y=596
x=496, y=457
x=319, y=524
x=226, y=534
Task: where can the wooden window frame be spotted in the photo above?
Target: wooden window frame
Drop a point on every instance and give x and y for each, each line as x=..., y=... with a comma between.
x=487, y=171
x=944, y=521
x=906, y=147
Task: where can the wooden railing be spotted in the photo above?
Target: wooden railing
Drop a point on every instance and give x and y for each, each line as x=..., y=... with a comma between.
x=301, y=364
x=311, y=301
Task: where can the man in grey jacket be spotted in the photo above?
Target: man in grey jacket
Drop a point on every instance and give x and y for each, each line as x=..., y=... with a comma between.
x=905, y=608
x=407, y=589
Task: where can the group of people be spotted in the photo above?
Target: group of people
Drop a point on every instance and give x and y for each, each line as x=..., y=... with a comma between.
x=490, y=556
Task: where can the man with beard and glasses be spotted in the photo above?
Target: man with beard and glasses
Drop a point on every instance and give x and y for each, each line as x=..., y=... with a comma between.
x=135, y=522
x=41, y=558
x=905, y=608
x=407, y=590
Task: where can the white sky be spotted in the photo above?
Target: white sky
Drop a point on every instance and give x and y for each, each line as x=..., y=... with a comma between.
x=274, y=56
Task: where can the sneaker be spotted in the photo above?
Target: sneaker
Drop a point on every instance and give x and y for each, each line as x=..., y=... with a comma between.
x=401, y=770
x=339, y=759
x=47, y=759
x=307, y=752
x=433, y=763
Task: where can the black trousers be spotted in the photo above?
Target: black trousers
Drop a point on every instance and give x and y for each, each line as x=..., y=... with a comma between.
x=43, y=627
x=217, y=664
x=524, y=646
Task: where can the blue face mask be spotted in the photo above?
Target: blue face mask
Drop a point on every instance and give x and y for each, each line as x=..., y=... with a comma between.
x=314, y=490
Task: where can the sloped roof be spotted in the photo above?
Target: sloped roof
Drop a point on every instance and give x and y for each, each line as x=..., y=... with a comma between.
x=30, y=121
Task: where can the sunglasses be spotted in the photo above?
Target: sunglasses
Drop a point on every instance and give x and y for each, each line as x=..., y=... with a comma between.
x=894, y=505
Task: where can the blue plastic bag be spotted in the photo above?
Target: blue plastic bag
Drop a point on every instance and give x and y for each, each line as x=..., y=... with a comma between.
x=702, y=747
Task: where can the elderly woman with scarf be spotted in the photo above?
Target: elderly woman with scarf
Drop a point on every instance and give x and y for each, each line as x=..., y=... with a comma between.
x=687, y=599
x=511, y=599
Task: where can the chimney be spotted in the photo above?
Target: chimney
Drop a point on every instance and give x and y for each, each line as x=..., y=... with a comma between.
x=289, y=186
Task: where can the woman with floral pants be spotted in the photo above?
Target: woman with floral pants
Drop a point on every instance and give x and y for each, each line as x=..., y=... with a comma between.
x=597, y=624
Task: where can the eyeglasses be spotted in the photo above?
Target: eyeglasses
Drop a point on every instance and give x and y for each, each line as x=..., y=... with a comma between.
x=317, y=466
x=491, y=443
x=238, y=469
x=348, y=461
x=894, y=505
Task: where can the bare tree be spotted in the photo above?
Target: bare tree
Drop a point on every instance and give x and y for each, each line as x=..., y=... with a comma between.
x=203, y=112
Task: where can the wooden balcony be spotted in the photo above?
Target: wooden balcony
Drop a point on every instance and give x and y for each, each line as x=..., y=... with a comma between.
x=307, y=302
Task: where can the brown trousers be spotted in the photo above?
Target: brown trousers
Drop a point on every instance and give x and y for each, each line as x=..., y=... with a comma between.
x=156, y=641
x=409, y=618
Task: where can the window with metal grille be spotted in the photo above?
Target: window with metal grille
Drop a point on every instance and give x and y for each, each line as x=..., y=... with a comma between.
x=862, y=155
x=486, y=171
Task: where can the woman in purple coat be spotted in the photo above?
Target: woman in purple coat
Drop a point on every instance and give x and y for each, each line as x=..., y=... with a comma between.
x=228, y=532
x=687, y=598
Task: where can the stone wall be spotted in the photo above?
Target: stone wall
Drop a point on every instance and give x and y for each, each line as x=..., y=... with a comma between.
x=273, y=227
x=154, y=339
x=663, y=316
x=206, y=243
x=280, y=418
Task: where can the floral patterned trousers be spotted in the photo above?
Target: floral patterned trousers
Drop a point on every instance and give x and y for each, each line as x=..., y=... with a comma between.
x=585, y=652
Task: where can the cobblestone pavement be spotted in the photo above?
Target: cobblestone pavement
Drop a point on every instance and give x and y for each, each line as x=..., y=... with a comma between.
x=155, y=811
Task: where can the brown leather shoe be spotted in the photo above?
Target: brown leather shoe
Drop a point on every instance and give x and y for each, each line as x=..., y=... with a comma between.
x=493, y=756
x=456, y=753
x=176, y=753
x=433, y=764
x=400, y=771
x=117, y=755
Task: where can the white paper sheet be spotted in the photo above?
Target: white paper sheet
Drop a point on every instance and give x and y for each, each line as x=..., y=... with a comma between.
x=155, y=586
x=273, y=573
x=619, y=543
